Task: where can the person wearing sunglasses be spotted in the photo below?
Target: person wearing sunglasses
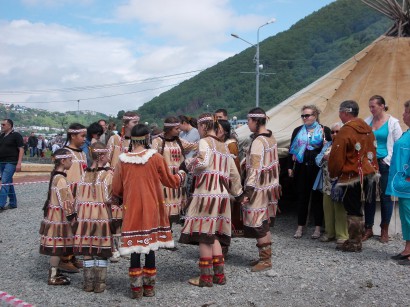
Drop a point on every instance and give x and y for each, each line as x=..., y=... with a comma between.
x=387, y=131
x=11, y=155
x=334, y=212
x=306, y=143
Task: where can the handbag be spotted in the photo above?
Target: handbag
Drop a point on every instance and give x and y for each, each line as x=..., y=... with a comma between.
x=401, y=182
x=318, y=185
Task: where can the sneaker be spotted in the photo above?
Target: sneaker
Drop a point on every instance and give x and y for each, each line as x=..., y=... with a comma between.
x=115, y=257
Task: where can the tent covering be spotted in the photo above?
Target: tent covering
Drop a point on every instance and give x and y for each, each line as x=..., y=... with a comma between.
x=382, y=68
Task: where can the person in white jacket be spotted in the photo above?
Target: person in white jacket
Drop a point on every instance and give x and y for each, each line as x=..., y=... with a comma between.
x=387, y=131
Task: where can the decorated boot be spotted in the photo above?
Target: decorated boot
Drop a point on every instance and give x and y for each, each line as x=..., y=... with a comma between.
x=219, y=274
x=66, y=265
x=100, y=275
x=135, y=275
x=148, y=280
x=88, y=272
x=265, y=258
x=206, y=277
x=56, y=280
x=355, y=227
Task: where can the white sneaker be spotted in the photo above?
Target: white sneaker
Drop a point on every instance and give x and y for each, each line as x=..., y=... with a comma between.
x=115, y=257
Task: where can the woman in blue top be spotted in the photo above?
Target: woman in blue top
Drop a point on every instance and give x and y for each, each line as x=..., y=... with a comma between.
x=401, y=161
x=387, y=131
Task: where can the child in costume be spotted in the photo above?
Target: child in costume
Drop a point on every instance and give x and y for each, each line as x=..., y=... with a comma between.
x=208, y=219
x=59, y=214
x=138, y=181
x=93, y=237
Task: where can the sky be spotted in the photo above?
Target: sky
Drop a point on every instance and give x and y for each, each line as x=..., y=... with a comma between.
x=107, y=56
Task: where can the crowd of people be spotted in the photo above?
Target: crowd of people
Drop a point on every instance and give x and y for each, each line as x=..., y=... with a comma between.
x=119, y=194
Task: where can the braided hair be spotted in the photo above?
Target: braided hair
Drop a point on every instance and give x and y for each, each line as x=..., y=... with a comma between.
x=140, y=135
x=57, y=163
x=260, y=121
x=209, y=121
x=167, y=129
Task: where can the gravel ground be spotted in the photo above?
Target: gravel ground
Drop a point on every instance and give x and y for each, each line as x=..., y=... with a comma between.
x=305, y=272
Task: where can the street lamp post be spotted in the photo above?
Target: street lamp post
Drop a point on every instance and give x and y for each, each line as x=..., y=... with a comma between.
x=257, y=73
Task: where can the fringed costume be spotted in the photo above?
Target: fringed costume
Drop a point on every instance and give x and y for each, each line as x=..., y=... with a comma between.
x=117, y=145
x=173, y=153
x=56, y=233
x=261, y=185
x=215, y=179
x=137, y=180
x=76, y=170
x=93, y=202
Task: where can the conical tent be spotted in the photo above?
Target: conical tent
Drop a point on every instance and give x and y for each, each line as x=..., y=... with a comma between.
x=382, y=68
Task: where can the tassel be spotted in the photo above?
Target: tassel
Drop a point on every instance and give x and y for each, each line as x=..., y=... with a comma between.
x=221, y=224
x=89, y=188
x=207, y=205
x=200, y=225
x=207, y=180
x=220, y=163
x=165, y=193
x=216, y=181
x=210, y=227
x=191, y=228
x=179, y=192
x=212, y=205
x=261, y=178
x=221, y=184
x=173, y=193
x=214, y=161
x=210, y=183
x=201, y=204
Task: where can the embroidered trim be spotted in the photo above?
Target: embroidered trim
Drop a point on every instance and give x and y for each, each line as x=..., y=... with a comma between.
x=171, y=124
x=131, y=117
x=76, y=130
x=63, y=156
x=204, y=119
x=257, y=115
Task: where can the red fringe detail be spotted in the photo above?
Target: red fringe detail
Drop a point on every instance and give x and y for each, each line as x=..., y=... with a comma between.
x=210, y=227
x=221, y=222
x=200, y=226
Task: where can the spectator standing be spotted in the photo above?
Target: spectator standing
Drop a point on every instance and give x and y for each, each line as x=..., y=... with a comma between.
x=387, y=131
x=11, y=154
x=188, y=132
x=353, y=161
x=32, y=144
x=105, y=135
x=41, y=146
x=94, y=132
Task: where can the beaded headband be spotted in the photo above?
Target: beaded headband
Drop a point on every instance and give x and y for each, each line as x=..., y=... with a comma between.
x=63, y=156
x=171, y=124
x=100, y=150
x=140, y=138
x=131, y=117
x=204, y=119
x=76, y=130
x=257, y=115
x=348, y=110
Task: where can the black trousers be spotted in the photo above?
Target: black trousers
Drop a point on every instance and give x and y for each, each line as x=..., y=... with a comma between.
x=305, y=176
x=352, y=199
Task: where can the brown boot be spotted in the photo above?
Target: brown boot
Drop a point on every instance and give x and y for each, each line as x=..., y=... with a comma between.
x=77, y=262
x=66, y=265
x=89, y=273
x=368, y=233
x=206, y=277
x=384, y=236
x=355, y=229
x=56, y=280
x=100, y=276
x=265, y=258
x=135, y=275
x=219, y=274
x=148, y=280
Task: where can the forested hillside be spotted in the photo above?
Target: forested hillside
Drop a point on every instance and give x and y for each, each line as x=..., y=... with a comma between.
x=309, y=49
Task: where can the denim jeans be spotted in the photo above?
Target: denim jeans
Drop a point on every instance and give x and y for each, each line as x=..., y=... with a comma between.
x=7, y=171
x=386, y=204
x=33, y=151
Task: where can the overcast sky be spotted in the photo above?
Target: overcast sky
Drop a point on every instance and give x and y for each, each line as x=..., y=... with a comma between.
x=117, y=55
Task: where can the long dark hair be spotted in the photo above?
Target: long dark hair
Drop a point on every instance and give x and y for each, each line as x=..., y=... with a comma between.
x=140, y=130
x=171, y=120
x=74, y=126
x=260, y=121
x=210, y=124
x=226, y=126
x=57, y=162
x=188, y=119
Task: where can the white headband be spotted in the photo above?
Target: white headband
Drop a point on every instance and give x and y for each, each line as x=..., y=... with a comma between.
x=131, y=117
x=257, y=115
x=100, y=150
x=204, y=119
x=63, y=156
x=76, y=130
x=171, y=124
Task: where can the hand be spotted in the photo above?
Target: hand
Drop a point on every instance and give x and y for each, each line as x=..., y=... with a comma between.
x=18, y=167
x=326, y=157
x=245, y=200
x=290, y=173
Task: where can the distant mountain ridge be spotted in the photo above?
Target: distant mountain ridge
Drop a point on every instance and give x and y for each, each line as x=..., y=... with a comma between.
x=308, y=50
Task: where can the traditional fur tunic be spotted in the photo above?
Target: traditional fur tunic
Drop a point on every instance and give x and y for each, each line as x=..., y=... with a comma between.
x=56, y=234
x=215, y=178
x=117, y=145
x=76, y=170
x=261, y=185
x=137, y=180
x=173, y=155
x=93, y=235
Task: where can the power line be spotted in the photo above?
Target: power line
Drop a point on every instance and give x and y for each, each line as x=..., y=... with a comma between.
x=102, y=86
x=90, y=98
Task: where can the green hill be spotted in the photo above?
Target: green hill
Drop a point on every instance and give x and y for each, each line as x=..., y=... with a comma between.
x=308, y=50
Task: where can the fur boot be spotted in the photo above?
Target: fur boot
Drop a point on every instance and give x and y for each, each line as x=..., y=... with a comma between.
x=89, y=266
x=355, y=229
x=135, y=275
x=206, y=277
x=219, y=274
x=100, y=275
x=265, y=258
x=148, y=280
